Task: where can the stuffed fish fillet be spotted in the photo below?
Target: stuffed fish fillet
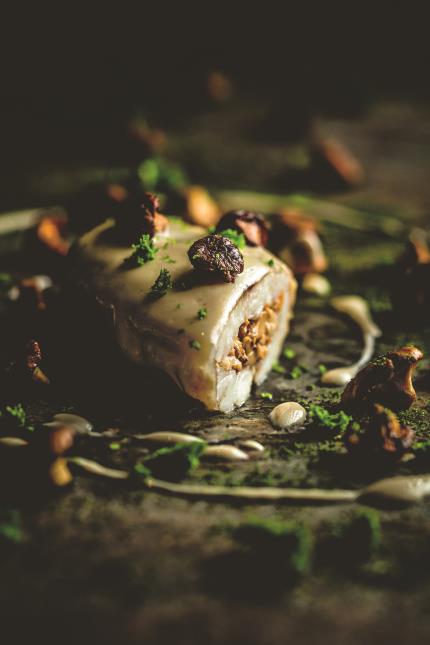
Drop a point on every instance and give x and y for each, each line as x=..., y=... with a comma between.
x=214, y=339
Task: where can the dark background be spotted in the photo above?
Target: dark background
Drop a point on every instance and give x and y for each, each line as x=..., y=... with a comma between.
x=71, y=76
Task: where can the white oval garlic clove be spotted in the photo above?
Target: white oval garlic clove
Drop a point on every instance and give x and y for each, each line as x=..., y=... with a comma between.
x=224, y=453
x=285, y=415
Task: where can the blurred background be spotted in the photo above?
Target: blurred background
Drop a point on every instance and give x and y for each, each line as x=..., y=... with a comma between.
x=236, y=95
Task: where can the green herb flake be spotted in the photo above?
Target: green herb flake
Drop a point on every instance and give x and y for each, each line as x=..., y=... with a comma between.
x=278, y=368
x=296, y=372
x=168, y=259
x=172, y=463
x=143, y=251
x=115, y=446
x=234, y=236
x=322, y=369
x=266, y=395
x=202, y=313
x=271, y=262
x=327, y=420
x=194, y=344
x=162, y=284
x=289, y=353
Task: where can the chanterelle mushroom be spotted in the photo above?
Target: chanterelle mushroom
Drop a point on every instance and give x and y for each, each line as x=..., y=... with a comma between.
x=294, y=238
x=410, y=293
x=383, y=435
x=386, y=380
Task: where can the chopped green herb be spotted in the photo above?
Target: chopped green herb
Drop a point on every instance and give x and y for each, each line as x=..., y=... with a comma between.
x=194, y=344
x=277, y=367
x=168, y=259
x=143, y=251
x=296, y=372
x=162, y=284
x=237, y=238
x=211, y=229
x=171, y=463
x=115, y=446
x=289, y=353
x=14, y=417
x=322, y=369
x=202, y=313
x=271, y=262
x=329, y=420
x=11, y=526
x=266, y=395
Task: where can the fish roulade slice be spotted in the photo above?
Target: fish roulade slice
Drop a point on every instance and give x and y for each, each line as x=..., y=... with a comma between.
x=213, y=338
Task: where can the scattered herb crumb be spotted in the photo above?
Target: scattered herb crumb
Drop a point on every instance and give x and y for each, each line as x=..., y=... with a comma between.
x=322, y=369
x=194, y=344
x=202, y=313
x=289, y=353
x=115, y=446
x=296, y=372
x=266, y=395
x=162, y=284
x=278, y=368
x=237, y=238
x=271, y=262
x=323, y=418
x=143, y=251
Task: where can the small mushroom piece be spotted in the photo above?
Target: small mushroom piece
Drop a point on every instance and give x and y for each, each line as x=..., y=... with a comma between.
x=52, y=232
x=410, y=284
x=383, y=435
x=386, y=380
x=252, y=225
x=288, y=414
x=27, y=364
x=294, y=238
x=199, y=207
x=139, y=216
x=59, y=473
x=60, y=440
x=334, y=165
x=218, y=255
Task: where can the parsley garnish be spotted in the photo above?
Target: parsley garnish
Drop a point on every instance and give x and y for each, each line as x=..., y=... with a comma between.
x=322, y=369
x=162, y=284
x=237, y=238
x=277, y=367
x=296, y=372
x=194, y=344
x=271, y=262
x=266, y=395
x=144, y=250
x=289, y=353
x=202, y=313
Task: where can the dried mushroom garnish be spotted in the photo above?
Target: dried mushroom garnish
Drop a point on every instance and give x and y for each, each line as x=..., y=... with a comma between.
x=252, y=225
x=383, y=435
x=218, y=255
x=386, y=380
x=296, y=240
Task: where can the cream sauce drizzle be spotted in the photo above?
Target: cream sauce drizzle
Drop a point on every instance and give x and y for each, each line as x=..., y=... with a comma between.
x=357, y=309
